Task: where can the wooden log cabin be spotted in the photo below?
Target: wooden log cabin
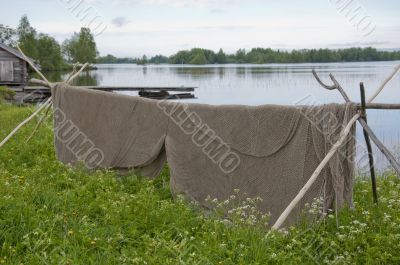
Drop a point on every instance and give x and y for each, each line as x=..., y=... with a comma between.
x=13, y=67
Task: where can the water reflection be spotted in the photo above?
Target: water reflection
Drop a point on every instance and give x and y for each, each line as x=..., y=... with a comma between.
x=86, y=78
x=193, y=72
x=52, y=76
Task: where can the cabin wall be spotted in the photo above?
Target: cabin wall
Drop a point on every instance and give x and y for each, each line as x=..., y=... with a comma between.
x=19, y=67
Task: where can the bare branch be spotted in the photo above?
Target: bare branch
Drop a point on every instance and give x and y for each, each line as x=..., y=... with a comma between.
x=339, y=87
x=321, y=83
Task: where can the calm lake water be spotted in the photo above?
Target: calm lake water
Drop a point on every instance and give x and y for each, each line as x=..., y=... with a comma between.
x=286, y=84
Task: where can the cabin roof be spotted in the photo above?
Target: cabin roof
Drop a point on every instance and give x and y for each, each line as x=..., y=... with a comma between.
x=16, y=53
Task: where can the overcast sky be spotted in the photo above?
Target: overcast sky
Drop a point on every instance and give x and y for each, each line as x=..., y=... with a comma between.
x=136, y=27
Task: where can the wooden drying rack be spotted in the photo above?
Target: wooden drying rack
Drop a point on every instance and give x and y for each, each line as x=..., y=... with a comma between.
x=367, y=131
x=369, y=135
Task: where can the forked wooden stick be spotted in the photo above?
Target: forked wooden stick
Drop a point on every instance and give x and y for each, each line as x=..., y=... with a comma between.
x=335, y=85
x=323, y=163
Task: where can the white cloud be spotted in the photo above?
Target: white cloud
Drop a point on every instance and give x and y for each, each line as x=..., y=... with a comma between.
x=212, y=4
x=120, y=21
x=358, y=44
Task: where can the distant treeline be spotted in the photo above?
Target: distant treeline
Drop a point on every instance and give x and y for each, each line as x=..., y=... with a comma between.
x=112, y=59
x=262, y=55
x=159, y=59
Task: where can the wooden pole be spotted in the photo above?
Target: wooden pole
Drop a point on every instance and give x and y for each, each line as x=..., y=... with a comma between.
x=39, y=82
x=368, y=143
x=395, y=70
x=33, y=66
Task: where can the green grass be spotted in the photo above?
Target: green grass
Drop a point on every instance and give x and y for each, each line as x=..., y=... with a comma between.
x=53, y=214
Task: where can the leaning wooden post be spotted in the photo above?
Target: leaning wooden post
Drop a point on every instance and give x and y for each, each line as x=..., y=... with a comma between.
x=368, y=143
x=384, y=83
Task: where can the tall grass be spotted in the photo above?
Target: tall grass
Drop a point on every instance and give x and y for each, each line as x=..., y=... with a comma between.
x=54, y=214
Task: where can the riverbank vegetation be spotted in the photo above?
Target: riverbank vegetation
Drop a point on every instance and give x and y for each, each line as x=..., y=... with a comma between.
x=46, y=51
x=54, y=214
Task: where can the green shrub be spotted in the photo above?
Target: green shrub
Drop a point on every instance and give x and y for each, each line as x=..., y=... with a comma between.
x=6, y=93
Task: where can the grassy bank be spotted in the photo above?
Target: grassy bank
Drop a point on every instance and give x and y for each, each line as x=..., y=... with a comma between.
x=52, y=214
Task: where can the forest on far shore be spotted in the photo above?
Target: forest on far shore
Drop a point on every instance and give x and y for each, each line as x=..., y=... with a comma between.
x=200, y=56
